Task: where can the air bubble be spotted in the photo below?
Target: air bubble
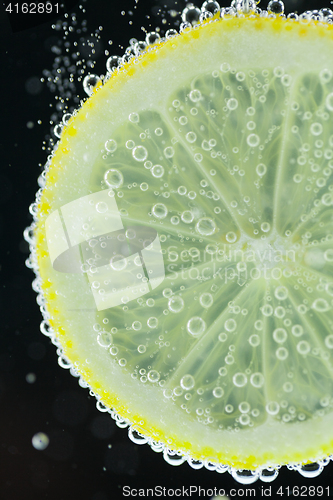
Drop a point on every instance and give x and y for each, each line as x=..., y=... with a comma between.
x=240, y=76
x=288, y=387
x=230, y=325
x=206, y=300
x=218, y=392
x=134, y=118
x=89, y=82
x=267, y=310
x=196, y=326
x=40, y=441
x=272, y=408
x=223, y=337
x=110, y=145
x=191, y=15
x=187, y=382
x=140, y=153
x=231, y=237
x=167, y=393
x=275, y=7
x=282, y=353
x=281, y=293
x=206, y=226
x=297, y=330
x=153, y=376
x=329, y=341
x=320, y=305
x=152, y=38
x=169, y=152
x=280, y=335
x=58, y=130
x=257, y=379
x=101, y=207
x=316, y=128
x=176, y=304
x=329, y=102
x=244, y=407
x=261, y=169
x=265, y=227
x=160, y=210
x=113, y=178
x=104, y=339
x=112, y=63
x=328, y=255
x=254, y=340
x=253, y=140
x=239, y=379
x=152, y=322
x=171, y=33
x=232, y=103
x=191, y=137
x=210, y=6
x=297, y=178
x=187, y=216
x=157, y=171
x=118, y=262
x=303, y=347
x=327, y=199
x=195, y=95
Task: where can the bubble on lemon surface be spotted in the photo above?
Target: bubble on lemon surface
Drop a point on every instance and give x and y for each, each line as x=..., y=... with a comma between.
x=176, y=304
x=206, y=226
x=113, y=178
x=187, y=382
x=196, y=326
x=111, y=145
x=206, y=300
x=140, y=153
x=160, y=210
x=239, y=379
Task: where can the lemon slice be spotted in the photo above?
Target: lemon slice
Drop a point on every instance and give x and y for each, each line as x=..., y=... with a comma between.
x=183, y=243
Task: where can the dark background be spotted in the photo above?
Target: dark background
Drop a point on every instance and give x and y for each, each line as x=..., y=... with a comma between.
x=88, y=457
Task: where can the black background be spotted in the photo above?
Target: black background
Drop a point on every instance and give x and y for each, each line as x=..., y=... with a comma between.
x=88, y=457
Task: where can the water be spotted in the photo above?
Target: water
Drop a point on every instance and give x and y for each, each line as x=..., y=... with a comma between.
x=196, y=325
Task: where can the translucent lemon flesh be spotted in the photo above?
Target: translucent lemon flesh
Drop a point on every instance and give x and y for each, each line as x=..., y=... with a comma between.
x=220, y=142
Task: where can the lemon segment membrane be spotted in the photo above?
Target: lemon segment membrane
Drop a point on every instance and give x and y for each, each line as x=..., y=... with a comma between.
x=189, y=205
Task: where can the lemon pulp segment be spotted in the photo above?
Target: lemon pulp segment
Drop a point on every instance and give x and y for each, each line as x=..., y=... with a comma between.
x=217, y=143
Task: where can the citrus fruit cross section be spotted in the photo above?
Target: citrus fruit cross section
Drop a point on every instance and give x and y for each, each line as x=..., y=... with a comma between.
x=183, y=242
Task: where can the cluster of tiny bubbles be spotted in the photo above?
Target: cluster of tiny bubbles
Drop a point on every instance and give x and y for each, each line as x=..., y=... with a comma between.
x=71, y=67
x=75, y=53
